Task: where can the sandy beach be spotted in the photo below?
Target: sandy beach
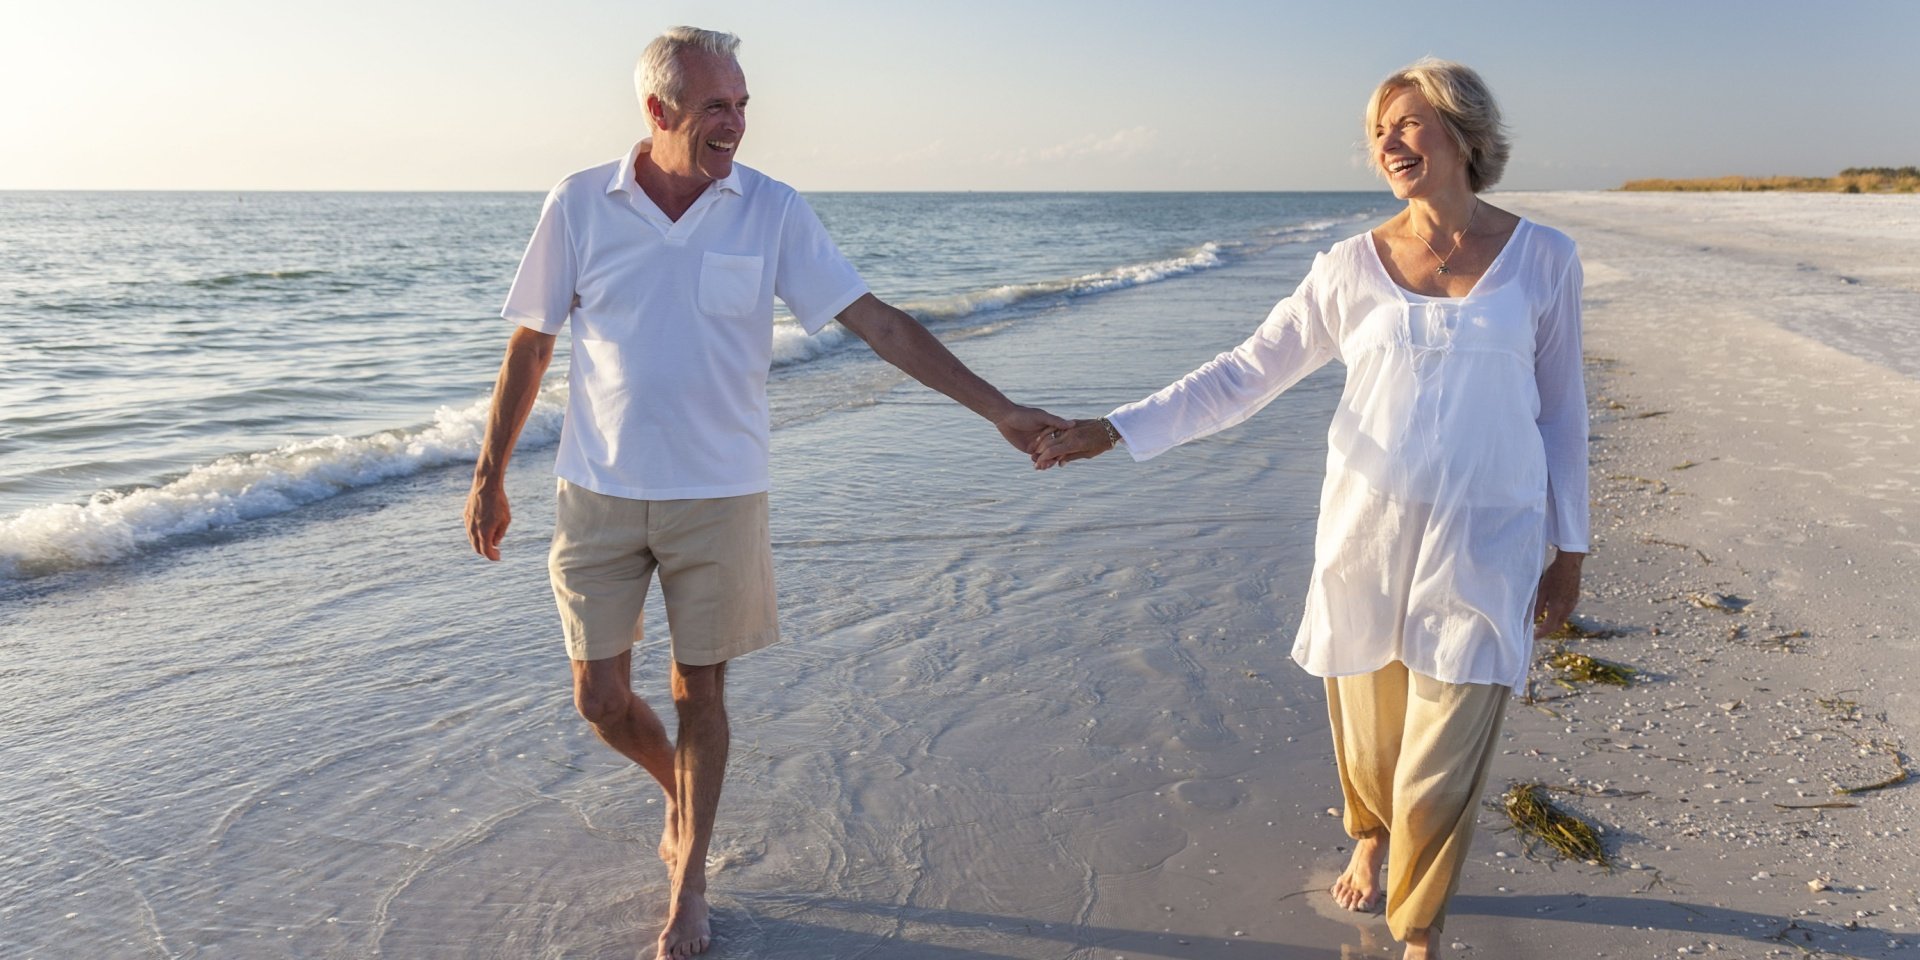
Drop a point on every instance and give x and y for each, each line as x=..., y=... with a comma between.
x=1021, y=715
x=1735, y=457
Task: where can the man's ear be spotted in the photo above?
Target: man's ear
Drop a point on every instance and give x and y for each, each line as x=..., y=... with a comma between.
x=656, y=110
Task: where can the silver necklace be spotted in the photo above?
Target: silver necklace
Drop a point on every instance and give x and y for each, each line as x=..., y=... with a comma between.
x=1443, y=268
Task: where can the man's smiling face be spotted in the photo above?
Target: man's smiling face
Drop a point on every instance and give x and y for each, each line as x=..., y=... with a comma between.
x=699, y=137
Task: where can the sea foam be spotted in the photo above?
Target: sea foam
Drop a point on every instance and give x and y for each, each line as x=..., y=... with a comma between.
x=115, y=524
x=792, y=345
x=112, y=525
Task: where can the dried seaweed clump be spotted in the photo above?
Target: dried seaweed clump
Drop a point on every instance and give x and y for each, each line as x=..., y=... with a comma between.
x=1573, y=630
x=1900, y=773
x=1580, y=668
x=1536, y=817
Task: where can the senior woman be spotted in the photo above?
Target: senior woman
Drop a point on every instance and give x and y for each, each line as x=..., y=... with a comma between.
x=1457, y=456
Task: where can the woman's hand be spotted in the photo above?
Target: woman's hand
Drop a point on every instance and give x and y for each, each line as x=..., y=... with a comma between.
x=1083, y=440
x=1558, y=594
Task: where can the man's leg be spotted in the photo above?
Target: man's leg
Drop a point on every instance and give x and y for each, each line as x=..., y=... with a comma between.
x=603, y=693
x=699, y=768
x=716, y=570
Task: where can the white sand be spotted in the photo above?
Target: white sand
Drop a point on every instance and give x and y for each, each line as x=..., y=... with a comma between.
x=1804, y=499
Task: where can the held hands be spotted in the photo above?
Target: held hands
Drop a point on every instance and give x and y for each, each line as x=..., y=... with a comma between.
x=1082, y=440
x=1025, y=427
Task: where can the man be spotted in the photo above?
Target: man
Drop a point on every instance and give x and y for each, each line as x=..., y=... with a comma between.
x=666, y=262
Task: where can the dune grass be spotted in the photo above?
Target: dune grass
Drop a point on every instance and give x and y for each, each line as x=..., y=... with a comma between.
x=1850, y=180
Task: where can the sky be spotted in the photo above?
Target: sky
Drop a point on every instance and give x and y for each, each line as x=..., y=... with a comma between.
x=934, y=95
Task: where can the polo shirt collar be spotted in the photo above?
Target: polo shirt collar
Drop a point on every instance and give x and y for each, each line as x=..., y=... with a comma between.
x=624, y=182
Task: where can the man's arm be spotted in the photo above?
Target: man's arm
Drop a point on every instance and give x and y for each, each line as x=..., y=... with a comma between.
x=528, y=353
x=902, y=341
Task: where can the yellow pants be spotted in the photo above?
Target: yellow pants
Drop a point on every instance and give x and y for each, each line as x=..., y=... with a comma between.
x=1413, y=754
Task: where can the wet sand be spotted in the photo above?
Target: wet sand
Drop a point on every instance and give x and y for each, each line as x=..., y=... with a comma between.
x=1040, y=715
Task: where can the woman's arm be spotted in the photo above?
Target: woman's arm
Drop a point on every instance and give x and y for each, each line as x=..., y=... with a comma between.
x=1559, y=376
x=1292, y=342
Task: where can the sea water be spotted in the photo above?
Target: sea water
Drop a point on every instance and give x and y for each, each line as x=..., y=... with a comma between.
x=181, y=363
x=259, y=699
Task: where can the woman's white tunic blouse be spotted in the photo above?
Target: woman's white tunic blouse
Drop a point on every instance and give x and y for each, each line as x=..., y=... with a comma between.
x=1458, y=452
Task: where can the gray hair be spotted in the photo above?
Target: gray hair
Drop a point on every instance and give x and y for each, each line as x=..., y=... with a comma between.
x=1466, y=109
x=659, y=74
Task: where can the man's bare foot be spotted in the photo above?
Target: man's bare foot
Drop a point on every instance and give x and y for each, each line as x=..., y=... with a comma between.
x=670, y=836
x=1421, y=945
x=1358, y=889
x=687, y=931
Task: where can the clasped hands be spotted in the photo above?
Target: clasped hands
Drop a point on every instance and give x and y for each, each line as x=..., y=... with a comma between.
x=1051, y=441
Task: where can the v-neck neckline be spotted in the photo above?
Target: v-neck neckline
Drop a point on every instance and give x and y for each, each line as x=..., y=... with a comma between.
x=673, y=231
x=1406, y=296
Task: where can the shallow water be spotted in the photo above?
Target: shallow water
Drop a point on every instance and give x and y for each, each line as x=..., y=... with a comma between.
x=182, y=363
x=1015, y=714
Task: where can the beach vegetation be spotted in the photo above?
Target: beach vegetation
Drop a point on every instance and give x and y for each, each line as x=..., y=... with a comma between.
x=1850, y=180
x=1581, y=668
x=1900, y=772
x=1572, y=629
x=1537, y=818
x=1840, y=708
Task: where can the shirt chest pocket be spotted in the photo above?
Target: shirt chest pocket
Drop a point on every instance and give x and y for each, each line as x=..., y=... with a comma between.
x=729, y=285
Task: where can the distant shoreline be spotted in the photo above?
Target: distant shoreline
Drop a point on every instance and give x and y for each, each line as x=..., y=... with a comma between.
x=1850, y=180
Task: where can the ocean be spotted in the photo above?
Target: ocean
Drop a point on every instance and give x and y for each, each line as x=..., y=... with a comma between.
x=186, y=363
x=260, y=699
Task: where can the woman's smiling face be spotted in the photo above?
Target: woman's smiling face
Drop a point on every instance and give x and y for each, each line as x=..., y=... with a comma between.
x=1412, y=148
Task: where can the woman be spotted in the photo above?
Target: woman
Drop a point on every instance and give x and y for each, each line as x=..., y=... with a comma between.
x=1457, y=455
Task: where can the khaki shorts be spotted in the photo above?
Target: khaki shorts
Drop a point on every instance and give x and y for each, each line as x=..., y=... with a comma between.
x=715, y=559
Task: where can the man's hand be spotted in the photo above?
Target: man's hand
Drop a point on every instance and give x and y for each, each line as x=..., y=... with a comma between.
x=528, y=353
x=1026, y=427
x=487, y=518
x=1082, y=440
x=1558, y=594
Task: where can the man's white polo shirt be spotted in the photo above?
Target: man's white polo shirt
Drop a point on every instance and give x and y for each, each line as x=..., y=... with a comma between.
x=673, y=324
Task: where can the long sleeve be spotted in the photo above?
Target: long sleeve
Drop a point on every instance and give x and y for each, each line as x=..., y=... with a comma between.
x=1292, y=342
x=1558, y=374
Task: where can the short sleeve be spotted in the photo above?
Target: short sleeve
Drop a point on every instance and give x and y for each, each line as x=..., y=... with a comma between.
x=813, y=279
x=543, y=289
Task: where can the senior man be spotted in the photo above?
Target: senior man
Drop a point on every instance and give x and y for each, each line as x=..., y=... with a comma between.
x=666, y=262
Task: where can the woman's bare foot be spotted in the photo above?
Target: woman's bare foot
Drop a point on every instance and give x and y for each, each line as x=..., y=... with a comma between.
x=1421, y=945
x=687, y=931
x=1358, y=889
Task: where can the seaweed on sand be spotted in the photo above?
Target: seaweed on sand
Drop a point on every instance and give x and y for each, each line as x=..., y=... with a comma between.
x=1574, y=630
x=1580, y=668
x=1537, y=818
x=1900, y=773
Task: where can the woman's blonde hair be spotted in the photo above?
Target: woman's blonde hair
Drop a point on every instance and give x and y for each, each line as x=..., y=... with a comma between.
x=1466, y=109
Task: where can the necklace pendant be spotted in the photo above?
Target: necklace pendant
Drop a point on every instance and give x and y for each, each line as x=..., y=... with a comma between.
x=1442, y=268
